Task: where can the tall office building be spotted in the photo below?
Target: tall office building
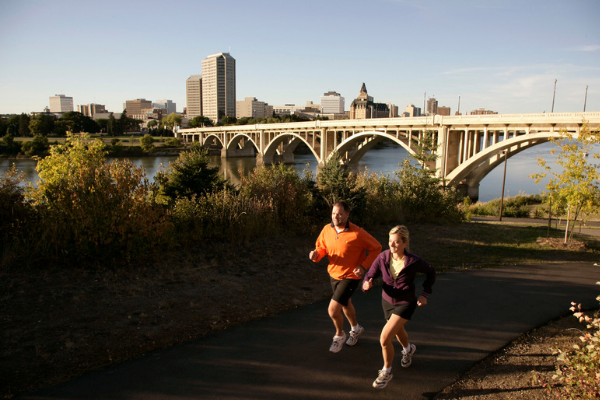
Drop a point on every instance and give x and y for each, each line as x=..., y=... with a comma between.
x=218, y=86
x=193, y=95
x=432, y=105
x=165, y=105
x=61, y=103
x=332, y=103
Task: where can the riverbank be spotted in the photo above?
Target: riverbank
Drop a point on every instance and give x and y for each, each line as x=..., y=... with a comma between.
x=59, y=323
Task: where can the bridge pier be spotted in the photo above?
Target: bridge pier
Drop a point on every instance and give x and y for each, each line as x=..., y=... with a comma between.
x=472, y=190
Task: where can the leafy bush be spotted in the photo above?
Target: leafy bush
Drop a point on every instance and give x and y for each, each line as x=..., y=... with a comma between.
x=336, y=182
x=90, y=209
x=16, y=215
x=422, y=197
x=287, y=193
x=173, y=142
x=189, y=175
x=514, y=207
x=579, y=369
x=147, y=143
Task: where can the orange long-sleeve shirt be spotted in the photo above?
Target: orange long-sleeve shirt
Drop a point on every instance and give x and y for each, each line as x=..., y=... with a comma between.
x=346, y=250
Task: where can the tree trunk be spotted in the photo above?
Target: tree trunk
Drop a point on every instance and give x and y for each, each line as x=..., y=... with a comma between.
x=567, y=227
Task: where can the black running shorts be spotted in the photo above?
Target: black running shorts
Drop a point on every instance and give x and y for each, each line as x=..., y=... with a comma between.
x=404, y=310
x=343, y=290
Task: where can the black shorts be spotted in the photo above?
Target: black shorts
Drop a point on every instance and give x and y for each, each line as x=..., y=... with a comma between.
x=404, y=310
x=343, y=290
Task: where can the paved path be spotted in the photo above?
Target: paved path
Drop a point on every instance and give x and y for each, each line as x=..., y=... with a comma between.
x=470, y=315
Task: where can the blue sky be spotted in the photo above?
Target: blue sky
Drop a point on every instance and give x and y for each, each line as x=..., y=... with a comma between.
x=499, y=55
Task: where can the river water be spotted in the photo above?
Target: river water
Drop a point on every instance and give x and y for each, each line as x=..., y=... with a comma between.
x=383, y=160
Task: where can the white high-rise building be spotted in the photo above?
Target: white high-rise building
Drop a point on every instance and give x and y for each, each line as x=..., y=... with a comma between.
x=193, y=94
x=61, y=103
x=165, y=105
x=332, y=103
x=218, y=86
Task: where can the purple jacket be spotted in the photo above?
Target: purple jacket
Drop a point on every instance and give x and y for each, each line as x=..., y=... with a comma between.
x=401, y=290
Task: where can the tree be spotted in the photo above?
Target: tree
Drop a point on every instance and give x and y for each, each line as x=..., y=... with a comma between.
x=151, y=124
x=77, y=122
x=199, y=122
x=189, y=175
x=336, y=182
x=123, y=125
x=111, y=126
x=574, y=187
x=42, y=124
x=24, y=125
x=171, y=121
x=147, y=143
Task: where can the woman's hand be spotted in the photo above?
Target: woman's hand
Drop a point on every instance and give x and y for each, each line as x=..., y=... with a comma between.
x=368, y=284
x=422, y=301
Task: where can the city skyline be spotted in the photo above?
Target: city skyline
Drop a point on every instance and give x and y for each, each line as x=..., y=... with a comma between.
x=500, y=56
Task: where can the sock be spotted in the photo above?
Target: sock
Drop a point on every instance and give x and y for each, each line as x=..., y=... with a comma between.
x=387, y=370
x=355, y=328
x=406, y=349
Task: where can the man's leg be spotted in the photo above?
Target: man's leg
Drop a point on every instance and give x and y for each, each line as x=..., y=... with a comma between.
x=350, y=313
x=335, y=313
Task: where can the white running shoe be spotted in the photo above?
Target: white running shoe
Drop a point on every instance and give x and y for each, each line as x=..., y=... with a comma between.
x=407, y=357
x=382, y=379
x=338, y=343
x=353, y=338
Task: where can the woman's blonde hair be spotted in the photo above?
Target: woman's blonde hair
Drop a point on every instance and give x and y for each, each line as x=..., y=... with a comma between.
x=401, y=231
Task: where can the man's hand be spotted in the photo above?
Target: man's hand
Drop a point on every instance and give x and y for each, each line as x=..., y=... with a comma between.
x=359, y=271
x=313, y=255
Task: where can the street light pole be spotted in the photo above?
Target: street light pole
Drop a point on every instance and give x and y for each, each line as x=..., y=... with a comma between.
x=505, y=153
x=554, y=95
x=585, y=101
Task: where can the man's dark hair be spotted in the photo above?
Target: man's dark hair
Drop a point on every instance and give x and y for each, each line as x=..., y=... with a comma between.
x=343, y=204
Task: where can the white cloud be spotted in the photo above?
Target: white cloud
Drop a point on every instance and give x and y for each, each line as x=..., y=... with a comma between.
x=588, y=48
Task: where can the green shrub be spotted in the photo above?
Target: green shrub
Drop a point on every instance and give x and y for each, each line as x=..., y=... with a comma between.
x=423, y=198
x=287, y=193
x=90, y=209
x=189, y=175
x=16, y=215
x=147, y=143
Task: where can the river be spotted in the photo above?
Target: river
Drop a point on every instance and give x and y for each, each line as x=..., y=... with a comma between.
x=382, y=160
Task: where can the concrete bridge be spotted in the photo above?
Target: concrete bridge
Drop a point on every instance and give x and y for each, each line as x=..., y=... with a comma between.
x=468, y=146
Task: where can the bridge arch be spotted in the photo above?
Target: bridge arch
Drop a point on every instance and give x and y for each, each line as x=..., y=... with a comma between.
x=212, y=140
x=354, y=148
x=284, y=146
x=241, y=145
x=467, y=176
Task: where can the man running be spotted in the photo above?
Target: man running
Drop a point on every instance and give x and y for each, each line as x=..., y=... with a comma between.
x=351, y=251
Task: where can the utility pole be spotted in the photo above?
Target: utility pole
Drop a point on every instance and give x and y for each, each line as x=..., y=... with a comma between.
x=554, y=95
x=458, y=111
x=505, y=152
x=585, y=101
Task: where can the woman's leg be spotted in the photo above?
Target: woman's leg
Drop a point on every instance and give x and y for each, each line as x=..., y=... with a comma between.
x=393, y=328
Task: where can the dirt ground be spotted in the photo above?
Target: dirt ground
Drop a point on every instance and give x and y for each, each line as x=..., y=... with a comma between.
x=56, y=324
x=521, y=369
